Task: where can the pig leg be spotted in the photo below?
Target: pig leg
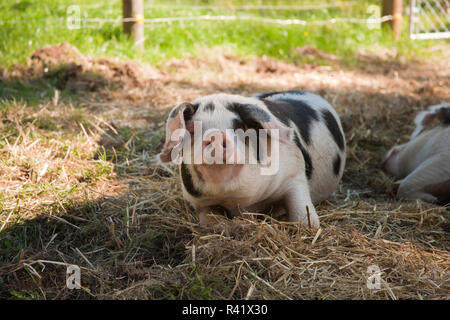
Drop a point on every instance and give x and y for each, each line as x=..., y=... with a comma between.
x=297, y=199
x=430, y=172
x=278, y=209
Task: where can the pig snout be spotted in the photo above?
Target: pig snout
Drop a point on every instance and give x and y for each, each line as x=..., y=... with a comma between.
x=219, y=154
x=218, y=148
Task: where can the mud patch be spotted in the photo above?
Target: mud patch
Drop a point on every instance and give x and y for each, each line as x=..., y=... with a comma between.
x=68, y=69
x=63, y=54
x=312, y=53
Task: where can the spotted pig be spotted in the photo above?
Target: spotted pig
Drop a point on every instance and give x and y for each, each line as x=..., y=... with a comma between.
x=304, y=144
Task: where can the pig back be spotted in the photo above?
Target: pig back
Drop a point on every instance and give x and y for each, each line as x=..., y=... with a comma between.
x=318, y=136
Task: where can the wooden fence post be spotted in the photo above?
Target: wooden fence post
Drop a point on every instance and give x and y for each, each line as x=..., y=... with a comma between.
x=133, y=24
x=394, y=8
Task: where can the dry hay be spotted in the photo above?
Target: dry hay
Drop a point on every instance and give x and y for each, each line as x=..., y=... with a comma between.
x=136, y=238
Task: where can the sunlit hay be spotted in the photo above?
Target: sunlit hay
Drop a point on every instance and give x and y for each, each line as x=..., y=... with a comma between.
x=37, y=164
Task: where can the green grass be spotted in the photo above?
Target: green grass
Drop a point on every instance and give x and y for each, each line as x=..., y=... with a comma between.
x=26, y=25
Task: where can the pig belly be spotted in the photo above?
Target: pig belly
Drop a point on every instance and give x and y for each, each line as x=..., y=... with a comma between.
x=429, y=181
x=323, y=179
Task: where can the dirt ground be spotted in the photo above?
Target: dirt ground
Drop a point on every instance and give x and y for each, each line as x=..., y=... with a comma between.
x=135, y=237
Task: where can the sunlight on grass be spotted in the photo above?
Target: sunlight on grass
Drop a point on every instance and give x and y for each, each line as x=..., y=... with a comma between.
x=29, y=24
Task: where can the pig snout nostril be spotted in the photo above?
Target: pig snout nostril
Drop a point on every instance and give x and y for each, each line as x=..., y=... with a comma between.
x=224, y=140
x=219, y=142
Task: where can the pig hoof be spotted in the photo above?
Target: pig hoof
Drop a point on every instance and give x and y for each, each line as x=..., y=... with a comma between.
x=426, y=197
x=312, y=222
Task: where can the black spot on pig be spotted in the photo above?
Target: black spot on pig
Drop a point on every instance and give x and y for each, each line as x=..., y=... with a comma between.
x=199, y=175
x=190, y=111
x=445, y=115
x=238, y=124
x=296, y=111
x=306, y=157
x=269, y=94
x=188, y=183
x=333, y=127
x=209, y=107
x=337, y=165
x=250, y=114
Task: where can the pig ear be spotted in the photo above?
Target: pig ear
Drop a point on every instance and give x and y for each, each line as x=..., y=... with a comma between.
x=425, y=118
x=256, y=117
x=392, y=152
x=444, y=114
x=178, y=118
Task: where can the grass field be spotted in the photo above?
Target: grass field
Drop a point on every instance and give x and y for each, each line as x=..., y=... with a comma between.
x=79, y=129
x=30, y=24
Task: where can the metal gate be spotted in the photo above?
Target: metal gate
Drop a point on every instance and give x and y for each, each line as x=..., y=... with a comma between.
x=429, y=19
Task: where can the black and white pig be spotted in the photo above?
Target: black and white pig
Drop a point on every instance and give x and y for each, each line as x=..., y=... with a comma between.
x=311, y=154
x=423, y=163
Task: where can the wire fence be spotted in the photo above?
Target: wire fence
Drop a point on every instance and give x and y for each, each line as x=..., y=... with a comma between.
x=243, y=18
x=75, y=18
x=429, y=19
x=335, y=4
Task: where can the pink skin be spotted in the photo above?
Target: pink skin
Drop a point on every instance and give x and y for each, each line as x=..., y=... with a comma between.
x=220, y=142
x=218, y=172
x=390, y=162
x=422, y=166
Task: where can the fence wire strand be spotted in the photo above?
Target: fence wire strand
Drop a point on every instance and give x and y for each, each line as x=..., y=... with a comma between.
x=256, y=7
x=216, y=18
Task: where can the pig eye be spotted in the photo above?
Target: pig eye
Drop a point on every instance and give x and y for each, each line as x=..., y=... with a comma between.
x=239, y=124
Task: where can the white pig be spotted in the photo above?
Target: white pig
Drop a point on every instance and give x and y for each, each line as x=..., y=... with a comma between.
x=310, y=152
x=423, y=163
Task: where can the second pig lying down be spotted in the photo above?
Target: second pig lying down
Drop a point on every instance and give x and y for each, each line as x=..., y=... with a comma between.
x=422, y=165
x=296, y=164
